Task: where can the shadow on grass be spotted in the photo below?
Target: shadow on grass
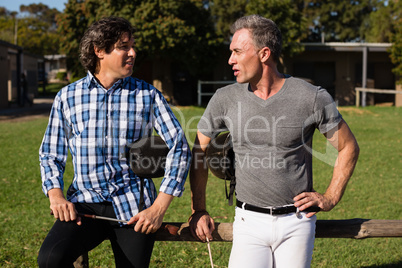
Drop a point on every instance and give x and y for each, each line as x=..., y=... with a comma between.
x=391, y=265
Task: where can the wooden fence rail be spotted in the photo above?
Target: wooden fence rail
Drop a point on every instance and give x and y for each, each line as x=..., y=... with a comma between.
x=372, y=90
x=352, y=228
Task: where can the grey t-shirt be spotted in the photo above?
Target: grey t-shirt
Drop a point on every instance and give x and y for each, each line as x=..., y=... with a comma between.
x=272, y=138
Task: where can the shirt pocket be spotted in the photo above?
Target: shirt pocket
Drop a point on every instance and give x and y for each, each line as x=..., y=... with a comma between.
x=81, y=118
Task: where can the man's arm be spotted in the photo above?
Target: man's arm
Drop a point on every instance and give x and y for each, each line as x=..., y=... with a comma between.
x=177, y=164
x=53, y=156
x=201, y=224
x=344, y=141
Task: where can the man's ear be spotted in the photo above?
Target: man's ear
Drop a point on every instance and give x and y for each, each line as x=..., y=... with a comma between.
x=99, y=52
x=264, y=54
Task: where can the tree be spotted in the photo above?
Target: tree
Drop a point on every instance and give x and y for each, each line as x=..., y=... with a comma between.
x=384, y=25
x=224, y=13
x=181, y=30
x=43, y=13
x=288, y=17
x=72, y=24
x=338, y=20
x=7, y=26
x=34, y=28
x=396, y=39
x=379, y=27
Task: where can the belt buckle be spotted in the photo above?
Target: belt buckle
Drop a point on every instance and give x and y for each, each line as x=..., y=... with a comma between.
x=273, y=211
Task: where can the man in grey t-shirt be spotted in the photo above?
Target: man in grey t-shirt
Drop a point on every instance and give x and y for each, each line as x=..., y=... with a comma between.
x=272, y=118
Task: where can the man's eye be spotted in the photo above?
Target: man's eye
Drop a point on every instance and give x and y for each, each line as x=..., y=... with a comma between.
x=123, y=47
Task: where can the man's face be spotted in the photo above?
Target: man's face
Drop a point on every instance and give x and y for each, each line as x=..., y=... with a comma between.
x=119, y=62
x=244, y=58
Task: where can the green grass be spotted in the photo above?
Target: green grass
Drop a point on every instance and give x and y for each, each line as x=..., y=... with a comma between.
x=374, y=192
x=51, y=89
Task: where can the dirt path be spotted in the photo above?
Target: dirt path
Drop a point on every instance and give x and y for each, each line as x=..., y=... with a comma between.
x=39, y=109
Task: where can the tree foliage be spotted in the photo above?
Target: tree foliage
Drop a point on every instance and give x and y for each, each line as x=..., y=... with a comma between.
x=34, y=29
x=338, y=20
x=191, y=31
x=181, y=30
x=288, y=17
x=224, y=13
x=396, y=39
x=380, y=24
x=7, y=26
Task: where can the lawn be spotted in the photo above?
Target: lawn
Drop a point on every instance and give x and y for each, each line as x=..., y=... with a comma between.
x=374, y=192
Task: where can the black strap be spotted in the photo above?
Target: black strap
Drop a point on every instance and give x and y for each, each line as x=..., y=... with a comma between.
x=143, y=127
x=230, y=171
x=232, y=185
x=142, y=201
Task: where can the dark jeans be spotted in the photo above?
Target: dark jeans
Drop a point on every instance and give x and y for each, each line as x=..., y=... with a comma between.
x=66, y=241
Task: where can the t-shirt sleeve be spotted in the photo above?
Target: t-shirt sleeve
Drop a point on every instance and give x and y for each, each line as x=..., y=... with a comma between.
x=326, y=113
x=212, y=121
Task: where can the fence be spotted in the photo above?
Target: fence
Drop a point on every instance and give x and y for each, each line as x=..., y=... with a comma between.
x=372, y=90
x=352, y=228
x=201, y=94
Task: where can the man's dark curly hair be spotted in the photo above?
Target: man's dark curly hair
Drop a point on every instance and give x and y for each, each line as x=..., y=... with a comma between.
x=102, y=34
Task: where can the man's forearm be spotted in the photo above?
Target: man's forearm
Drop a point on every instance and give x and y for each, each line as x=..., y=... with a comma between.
x=198, y=180
x=343, y=170
x=162, y=202
x=55, y=193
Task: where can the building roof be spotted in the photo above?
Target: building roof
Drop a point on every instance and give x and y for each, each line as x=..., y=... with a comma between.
x=9, y=45
x=339, y=46
x=55, y=57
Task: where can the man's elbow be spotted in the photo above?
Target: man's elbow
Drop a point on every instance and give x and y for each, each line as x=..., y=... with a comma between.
x=354, y=149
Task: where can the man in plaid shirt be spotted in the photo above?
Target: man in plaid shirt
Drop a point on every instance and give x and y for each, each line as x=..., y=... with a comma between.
x=96, y=119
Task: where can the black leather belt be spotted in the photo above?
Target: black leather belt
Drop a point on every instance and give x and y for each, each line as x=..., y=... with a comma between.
x=274, y=210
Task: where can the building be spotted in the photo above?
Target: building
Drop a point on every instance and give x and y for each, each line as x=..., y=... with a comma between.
x=341, y=67
x=14, y=63
x=338, y=67
x=54, y=65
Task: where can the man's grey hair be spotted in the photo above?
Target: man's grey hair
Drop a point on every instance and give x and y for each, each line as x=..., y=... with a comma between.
x=264, y=32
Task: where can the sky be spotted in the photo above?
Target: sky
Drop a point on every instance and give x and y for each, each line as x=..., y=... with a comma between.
x=14, y=5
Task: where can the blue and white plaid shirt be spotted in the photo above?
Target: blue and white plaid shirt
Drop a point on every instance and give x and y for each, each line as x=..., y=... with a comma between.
x=97, y=125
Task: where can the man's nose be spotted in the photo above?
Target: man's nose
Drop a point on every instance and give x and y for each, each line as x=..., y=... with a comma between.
x=231, y=60
x=132, y=52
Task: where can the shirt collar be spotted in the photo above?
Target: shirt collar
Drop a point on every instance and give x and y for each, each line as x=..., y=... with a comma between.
x=93, y=83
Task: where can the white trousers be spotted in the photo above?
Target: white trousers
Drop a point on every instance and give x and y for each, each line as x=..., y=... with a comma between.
x=265, y=241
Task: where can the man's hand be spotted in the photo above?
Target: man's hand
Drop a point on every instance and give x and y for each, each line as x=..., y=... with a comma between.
x=309, y=199
x=149, y=220
x=201, y=225
x=61, y=208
